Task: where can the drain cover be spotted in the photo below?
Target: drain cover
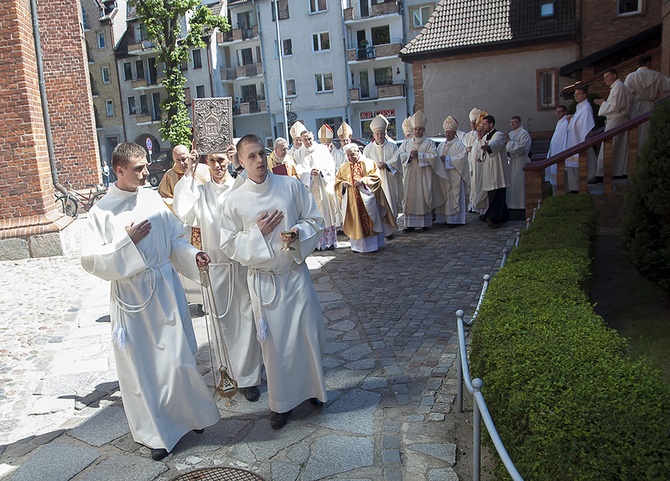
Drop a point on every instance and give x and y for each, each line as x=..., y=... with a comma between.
x=218, y=474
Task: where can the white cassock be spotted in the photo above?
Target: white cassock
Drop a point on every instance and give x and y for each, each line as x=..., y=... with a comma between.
x=339, y=157
x=478, y=199
x=287, y=311
x=616, y=109
x=518, y=149
x=201, y=206
x=391, y=178
x=163, y=393
x=322, y=188
x=423, y=189
x=557, y=145
x=579, y=126
x=454, y=210
x=645, y=86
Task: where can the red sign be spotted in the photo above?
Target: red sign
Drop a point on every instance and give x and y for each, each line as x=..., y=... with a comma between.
x=386, y=113
x=366, y=115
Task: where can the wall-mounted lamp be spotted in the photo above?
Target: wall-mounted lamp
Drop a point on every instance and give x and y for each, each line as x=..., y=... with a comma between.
x=397, y=71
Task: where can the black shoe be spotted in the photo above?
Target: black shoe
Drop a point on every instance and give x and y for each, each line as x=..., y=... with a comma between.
x=489, y=223
x=199, y=311
x=425, y=228
x=199, y=431
x=620, y=176
x=595, y=180
x=278, y=420
x=158, y=453
x=252, y=394
x=408, y=229
x=451, y=226
x=316, y=402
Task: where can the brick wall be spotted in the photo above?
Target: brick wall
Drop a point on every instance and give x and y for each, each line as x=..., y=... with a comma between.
x=601, y=27
x=26, y=188
x=665, y=47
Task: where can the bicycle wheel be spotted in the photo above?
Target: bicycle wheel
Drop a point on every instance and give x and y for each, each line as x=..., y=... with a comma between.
x=96, y=198
x=71, y=206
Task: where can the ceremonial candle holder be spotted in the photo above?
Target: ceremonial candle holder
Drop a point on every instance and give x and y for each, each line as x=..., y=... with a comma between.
x=287, y=236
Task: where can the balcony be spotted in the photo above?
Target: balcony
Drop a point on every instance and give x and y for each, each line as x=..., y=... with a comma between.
x=237, y=35
x=371, y=53
x=379, y=92
x=243, y=71
x=143, y=118
x=250, y=107
x=360, y=11
x=388, y=91
x=144, y=46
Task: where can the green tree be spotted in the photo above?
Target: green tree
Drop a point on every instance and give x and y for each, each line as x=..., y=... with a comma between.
x=646, y=226
x=162, y=20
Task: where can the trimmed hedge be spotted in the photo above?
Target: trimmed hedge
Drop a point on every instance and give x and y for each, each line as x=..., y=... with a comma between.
x=567, y=402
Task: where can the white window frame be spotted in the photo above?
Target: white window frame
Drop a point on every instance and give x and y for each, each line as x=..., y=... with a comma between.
x=199, y=56
x=550, y=82
x=314, y=6
x=131, y=103
x=317, y=37
x=291, y=82
x=198, y=89
x=109, y=108
x=420, y=8
x=321, y=82
x=283, y=49
x=104, y=74
x=625, y=14
x=102, y=42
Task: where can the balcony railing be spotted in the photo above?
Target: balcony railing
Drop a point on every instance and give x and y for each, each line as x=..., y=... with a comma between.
x=355, y=12
x=233, y=73
x=382, y=92
x=237, y=34
x=373, y=52
x=251, y=107
x=144, y=46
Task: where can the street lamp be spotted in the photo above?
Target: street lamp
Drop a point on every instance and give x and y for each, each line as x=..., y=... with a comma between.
x=288, y=106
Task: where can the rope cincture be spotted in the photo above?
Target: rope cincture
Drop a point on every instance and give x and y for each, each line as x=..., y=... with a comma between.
x=227, y=385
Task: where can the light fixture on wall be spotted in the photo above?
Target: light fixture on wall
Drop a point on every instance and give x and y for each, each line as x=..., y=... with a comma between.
x=288, y=106
x=397, y=71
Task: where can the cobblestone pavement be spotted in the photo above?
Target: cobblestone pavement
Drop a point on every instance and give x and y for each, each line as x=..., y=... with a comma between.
x=391, y=345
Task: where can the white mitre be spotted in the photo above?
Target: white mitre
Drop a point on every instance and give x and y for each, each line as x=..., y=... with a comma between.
x=407, y=127
x=379, y=123
x=418, y=119
x=297, y=129
x=325, y=134
x=450, y=123
x=474, y=113
x=345, y=131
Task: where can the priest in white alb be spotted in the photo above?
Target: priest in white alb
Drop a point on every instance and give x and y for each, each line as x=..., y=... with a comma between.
x=423, y=176
x=200, y=205
x=559, y=140
x=296, y=135
x=478, y=200
x=455, y=157
x=134, y=241
x=270, y=225
x=579, y=125
x=367, y=218
x=316, y=169
x=385, y=154
x=518, y=149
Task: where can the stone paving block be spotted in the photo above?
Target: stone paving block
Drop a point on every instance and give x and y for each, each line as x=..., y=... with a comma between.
x=212, y=439
x=353, y=412
x=445, y=452
x=264, y=442
x=374, y=383
x=51, y=404
x=390, y=442
x=351, y=336
x=344, y=326
x=106, y=425
x=55, y=462
x=362, y=364
x=284, y=471
x=334, y=347
x=391, y=456
x=123, y=467
x=338, y=454
x=299, y=453
x=342, y=378
x=442, y=474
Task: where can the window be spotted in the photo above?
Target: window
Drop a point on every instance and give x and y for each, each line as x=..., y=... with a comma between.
x=628, y=7
x=290, y=88
x=144, y=105
x=200, y=91
x=84, y=19
x=381, y=35
x=109, y=108
x=101, y=40
x=187, y=96
x=197, y=59
x=287, y=47
x=283, y=10
x=246, y=56
x=546, y=8
x=320, y=41
x=139, y=67
x=383, y=76
x=127, y=71
x=420, y=15
x=105, y=74
x=547, y=89
x=156, y=100
x=324, y=82
x=132, y=109
x=316, y=6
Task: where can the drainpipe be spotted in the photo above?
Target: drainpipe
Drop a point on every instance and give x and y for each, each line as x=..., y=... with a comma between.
x=43, y=98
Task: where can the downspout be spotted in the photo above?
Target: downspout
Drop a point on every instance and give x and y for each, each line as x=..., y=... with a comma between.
x=43, y=98
x=347, y=70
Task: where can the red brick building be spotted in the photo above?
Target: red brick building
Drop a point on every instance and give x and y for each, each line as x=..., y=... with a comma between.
x=29, y=216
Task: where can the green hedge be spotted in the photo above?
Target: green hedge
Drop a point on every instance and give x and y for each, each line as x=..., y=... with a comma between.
x=567, y=402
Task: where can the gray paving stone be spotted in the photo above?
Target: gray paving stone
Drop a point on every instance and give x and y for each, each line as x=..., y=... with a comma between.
x=445, y=452
x=338, y=454
x=299, y=453
x=374, y=383
x=123, y=467
x=391, y=456
x=329, y=362
x=104, y=426
x=334, y=347
x=282, y=471
x=353, y=412
x=56, y=462
x=362, y=364
x=344, y=326
x=356, y=352
x=351, y=336
x=442, y=474
x=265, y=442
x=212, y=439
x=344, y=379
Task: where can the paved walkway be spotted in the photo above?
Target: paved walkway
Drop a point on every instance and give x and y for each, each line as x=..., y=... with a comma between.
x=391, y=345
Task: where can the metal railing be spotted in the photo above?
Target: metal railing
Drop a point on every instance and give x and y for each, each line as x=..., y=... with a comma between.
x=474, y=386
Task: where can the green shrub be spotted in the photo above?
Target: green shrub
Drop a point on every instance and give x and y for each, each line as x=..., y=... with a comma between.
x=567, y=402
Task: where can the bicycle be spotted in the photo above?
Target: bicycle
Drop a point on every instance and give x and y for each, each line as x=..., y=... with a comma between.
x=70, y=202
